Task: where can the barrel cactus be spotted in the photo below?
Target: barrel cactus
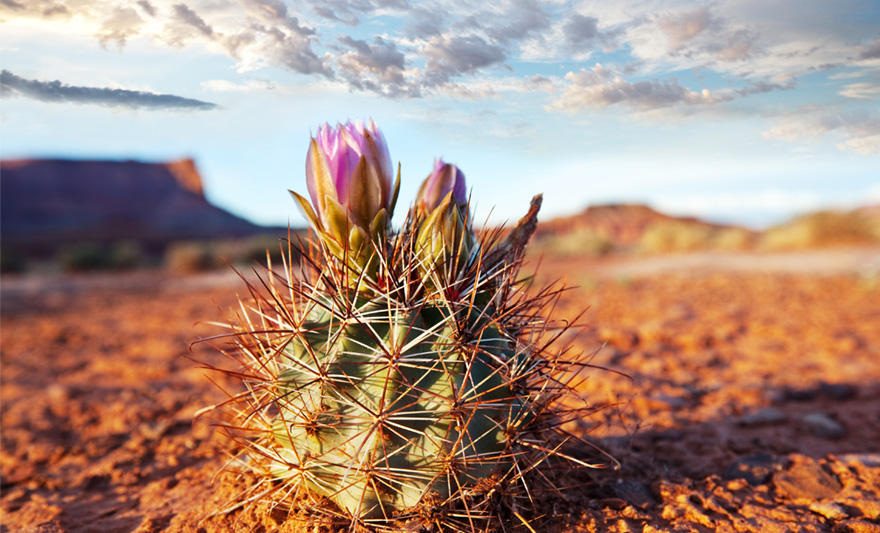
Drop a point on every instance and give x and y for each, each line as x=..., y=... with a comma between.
x=406, y=377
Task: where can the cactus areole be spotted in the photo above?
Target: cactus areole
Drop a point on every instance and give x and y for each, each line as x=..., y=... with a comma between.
x=405, y=376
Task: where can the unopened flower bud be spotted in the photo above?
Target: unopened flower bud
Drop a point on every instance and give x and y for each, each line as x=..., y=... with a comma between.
x=445, y=178
x=444, y=243
x=349, y=178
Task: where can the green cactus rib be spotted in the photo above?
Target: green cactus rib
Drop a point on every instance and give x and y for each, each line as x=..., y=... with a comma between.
x=388, y=405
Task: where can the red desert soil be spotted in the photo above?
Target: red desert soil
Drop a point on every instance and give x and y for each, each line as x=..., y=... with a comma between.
x=752, y=402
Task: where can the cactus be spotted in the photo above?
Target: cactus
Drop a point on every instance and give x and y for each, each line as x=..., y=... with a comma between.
x=405, y=382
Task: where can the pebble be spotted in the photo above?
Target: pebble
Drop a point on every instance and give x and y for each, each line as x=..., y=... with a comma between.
x=635, y=493
x=856, y=526
x=762, y=417
x=831, y=511
x=839, y=391
x=871, y=460
x=800, y=395
x=806, y=481
x=822, y=425
x=755, y=469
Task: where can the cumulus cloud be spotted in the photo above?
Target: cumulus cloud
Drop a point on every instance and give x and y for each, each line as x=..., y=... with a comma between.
x=449, y=56
x=600, y=87
x=444, y=45
x=378, y=67
x=857, y=132
x=706, y=36
x=540, y=83
x=148, y=8
x=346, y=11
x=186, y=24
x=272, y=35
x=55, y=91
x=871, y=51
x=763, y=86
x=582, y=33
x=681, y=28
x=123, y=22
x=515, y=20
x=424, y=22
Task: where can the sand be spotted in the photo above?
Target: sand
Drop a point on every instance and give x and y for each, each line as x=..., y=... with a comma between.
x=737, y=399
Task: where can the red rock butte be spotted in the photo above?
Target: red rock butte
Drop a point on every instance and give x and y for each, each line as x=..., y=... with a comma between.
x=50, y=202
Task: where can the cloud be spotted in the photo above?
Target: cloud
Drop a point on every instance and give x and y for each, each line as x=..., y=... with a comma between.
x=225, y=86
x=540, y=83
x=711, y=36
x=600, y=87
x=763, y=86
x=185, y=24
x=863, y=90
x=377, y=67
x=426, y=46
x=848, y=75
x=423, y=22
x=45, y=9
x=450, y=56
x=871, y=51
x=346, y=11
x=189, y=17
x=57, y=92
x=734, y=46
x=148, y=8
x=857, y=131
x=517, y=20
x=269, y=34
x=680, y=29
x=123, y=22
x=582, y=33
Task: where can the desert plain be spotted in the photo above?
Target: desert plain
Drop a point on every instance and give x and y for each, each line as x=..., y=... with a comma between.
x=740, y=392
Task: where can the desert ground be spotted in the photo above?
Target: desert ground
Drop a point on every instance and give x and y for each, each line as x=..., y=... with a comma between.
x=741, y=393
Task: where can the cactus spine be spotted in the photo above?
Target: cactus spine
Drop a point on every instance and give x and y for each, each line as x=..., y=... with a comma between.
x=417, y=391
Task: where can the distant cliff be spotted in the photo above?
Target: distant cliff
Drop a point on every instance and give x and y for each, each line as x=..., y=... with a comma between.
x=623, y=224
x=45, y=203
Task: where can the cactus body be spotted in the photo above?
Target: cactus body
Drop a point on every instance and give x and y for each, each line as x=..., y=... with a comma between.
x=388, y=405
x=406, y=377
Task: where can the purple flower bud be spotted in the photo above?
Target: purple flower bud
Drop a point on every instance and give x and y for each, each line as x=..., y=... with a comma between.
x=444, y=179
x=349, y=166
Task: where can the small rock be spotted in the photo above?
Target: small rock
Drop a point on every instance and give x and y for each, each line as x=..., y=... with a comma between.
x=822, y=425
x=839, y=391
x=831, y=511
x=614, y=503
x=755, y=469
x=762, y=417
x=57, y=393
x=775, y=396
x=800, y=395
x=635, y=493
x=856, y=526
x=806, y=481
x=871, y=460
x=674, y=402
x=660, y=402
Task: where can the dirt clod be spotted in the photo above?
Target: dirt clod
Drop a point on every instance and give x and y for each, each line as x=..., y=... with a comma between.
x=806, y=481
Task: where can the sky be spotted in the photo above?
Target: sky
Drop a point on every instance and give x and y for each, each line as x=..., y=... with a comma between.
x=737, y=111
